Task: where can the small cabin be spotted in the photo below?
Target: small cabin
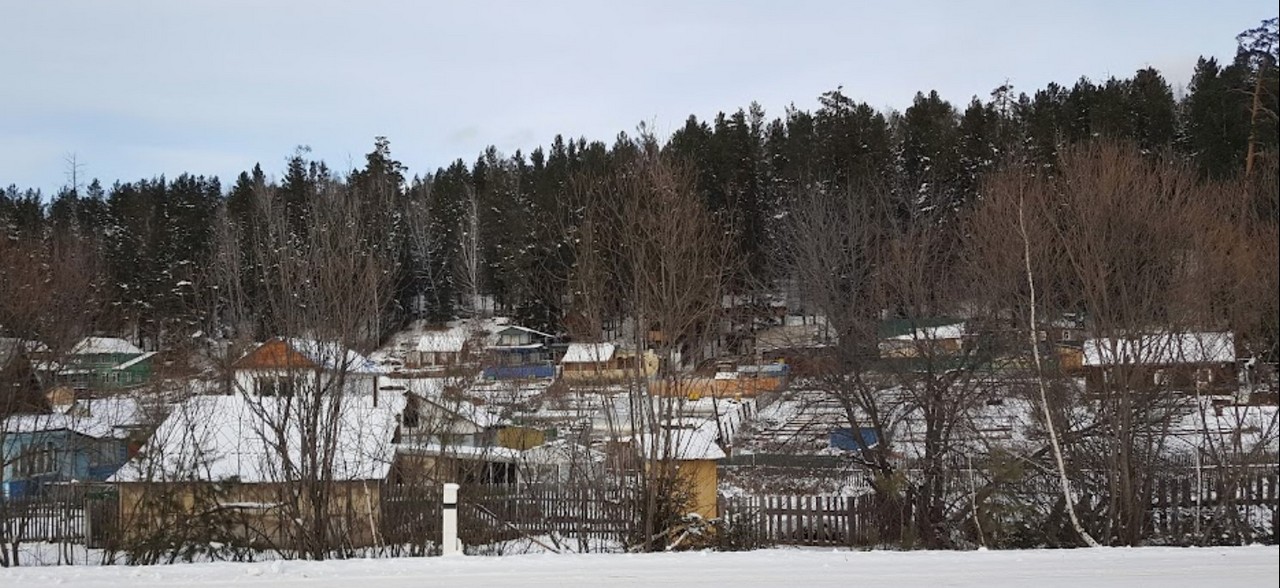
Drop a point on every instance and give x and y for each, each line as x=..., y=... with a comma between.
x=438, y=349
x=1188, y=362
x=692, y=454
x=286, y=367
x=903, y=338
x=518, y=353
x=87, y=440
x=105, y=363
x=605, y=362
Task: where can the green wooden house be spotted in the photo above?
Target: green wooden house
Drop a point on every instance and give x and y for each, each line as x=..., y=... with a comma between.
x=105, y=363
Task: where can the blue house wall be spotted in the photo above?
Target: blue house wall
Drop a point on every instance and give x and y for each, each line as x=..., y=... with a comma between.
x=75, y=457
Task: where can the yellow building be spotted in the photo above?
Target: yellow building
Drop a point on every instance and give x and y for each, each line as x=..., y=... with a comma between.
x=692, y=453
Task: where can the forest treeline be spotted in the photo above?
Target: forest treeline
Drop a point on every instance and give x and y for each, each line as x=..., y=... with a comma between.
x=150, y=257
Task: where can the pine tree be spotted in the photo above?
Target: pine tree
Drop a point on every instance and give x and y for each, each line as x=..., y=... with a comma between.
x=1215, y=118
x=1152, y=110
x=928, y=159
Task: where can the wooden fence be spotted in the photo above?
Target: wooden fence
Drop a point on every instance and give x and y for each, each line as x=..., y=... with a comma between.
x=1244, y=502
x=28, y=519
x=77, y=513
x=604, y=513
x=496, y=513
x=812, y=520
x=1186, y=505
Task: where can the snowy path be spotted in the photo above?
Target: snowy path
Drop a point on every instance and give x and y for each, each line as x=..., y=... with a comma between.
x=1102, y=568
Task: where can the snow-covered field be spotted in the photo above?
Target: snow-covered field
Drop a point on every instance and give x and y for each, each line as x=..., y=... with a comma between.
x=1098, y=568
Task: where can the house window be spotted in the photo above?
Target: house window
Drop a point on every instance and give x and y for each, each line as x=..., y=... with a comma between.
x=38, y=460
x=275, y=386
x=101, y=454
x=1204, y=377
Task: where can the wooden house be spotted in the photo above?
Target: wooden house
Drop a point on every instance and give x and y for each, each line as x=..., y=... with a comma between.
x=89, y=441
x=519, y=353
x=691, y=454
x=1187, y=362
x=806, y=347
x=105, y=364
x=560, y=462
x=223, y=454
x=605, y=362
x=436, y=419
x=1065, y=330
x=446, y=437
x=438, y=349
x=904, y=339
x=286, y=367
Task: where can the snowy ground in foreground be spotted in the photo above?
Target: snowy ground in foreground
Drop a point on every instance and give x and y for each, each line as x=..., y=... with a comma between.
x=1099, y=568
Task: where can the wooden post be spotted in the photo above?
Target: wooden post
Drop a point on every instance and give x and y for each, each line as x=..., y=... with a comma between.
x=449, y=543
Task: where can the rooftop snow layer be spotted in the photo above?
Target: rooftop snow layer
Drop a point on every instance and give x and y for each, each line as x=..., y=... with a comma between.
x=95, y=345
x=589, y=352
x=935, y=333
x=1161, y=349
x=211, y=438
x=450, y=341
x=680, y=444
x=100, y=418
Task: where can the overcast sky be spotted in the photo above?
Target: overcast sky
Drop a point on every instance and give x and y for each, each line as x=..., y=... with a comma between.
x=136, y=89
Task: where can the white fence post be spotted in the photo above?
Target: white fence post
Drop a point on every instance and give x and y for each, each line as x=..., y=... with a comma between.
x=449, y=543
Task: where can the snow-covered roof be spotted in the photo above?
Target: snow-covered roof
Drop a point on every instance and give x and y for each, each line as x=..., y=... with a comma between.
x=935, y=333
x=560, y=451
x=450, y=341
x=525, y=330
x=95, y=345
x=525, y=347
x=432, y=391
x=680, y=444
x=1067, y=323
x=329, y=355
x=589, y=352
x=1247, y=427
x=772, y=369
x=1161, y=349
x=488, y=453
x=466, y=410
x=425, y=387
x=211, y=438
x=135, y=361
x=100, y=418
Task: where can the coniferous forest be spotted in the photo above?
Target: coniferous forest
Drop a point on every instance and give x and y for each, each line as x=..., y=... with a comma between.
x=143, y=248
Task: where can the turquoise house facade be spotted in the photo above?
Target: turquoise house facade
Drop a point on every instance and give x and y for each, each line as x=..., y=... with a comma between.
x=105, y=363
